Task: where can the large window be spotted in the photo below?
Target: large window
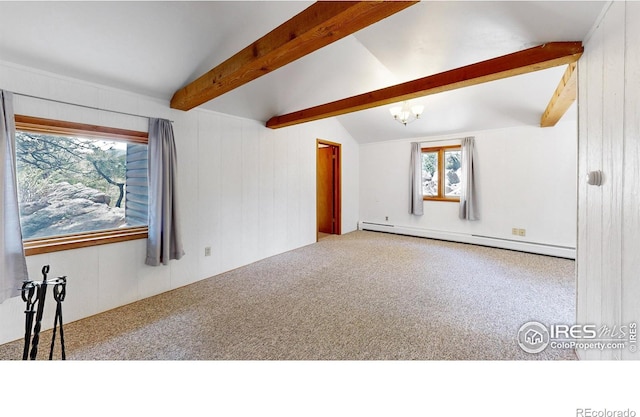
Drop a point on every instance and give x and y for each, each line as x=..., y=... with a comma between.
x=79, y=185
x=441, y=173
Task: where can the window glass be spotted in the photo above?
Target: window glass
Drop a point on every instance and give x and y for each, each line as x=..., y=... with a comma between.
x=453, y=168
x=430, y=173
x=70, y=185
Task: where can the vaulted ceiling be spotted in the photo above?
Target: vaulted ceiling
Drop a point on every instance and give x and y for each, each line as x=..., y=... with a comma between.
x=156, y=48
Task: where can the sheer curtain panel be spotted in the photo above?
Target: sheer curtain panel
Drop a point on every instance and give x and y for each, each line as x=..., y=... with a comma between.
x=14, y=265
x=468, y=195
x=164, y=242
x=416, y=203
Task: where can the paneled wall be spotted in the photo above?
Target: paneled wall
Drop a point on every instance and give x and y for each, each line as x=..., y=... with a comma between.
x=608, y=265
x=246, y=191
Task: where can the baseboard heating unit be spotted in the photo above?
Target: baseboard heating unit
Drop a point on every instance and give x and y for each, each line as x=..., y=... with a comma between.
x=522, y=246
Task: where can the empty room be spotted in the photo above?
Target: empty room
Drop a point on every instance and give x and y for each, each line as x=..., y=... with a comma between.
x=320, y=181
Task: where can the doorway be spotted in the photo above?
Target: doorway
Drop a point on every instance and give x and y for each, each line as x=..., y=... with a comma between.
x=328, y=184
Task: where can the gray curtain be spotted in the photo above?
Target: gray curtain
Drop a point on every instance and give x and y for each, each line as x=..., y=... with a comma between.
x=468, y=205
x=14, y=266
x=416, y=202
x=164, y=242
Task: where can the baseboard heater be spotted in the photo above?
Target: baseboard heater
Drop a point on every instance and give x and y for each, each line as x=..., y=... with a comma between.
x=531, y=247
x=375, y=224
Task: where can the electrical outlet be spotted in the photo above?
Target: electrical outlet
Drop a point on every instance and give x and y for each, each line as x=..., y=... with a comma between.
x=515, y=231
x=386, y=218
x=207, y=251
x=522, y=232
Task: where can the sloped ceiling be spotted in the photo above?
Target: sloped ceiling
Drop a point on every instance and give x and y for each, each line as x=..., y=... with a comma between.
x=154, y=48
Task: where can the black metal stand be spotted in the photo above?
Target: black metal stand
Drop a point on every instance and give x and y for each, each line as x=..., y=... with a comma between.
x=35, y=292
x=59, y=292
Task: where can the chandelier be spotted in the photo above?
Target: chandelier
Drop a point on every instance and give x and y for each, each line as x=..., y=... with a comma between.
x=406, y=113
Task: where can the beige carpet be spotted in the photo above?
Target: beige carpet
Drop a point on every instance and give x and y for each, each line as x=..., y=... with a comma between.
x=360, y=296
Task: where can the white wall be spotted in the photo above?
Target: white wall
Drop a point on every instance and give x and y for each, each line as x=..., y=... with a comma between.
x=245, y=190
x=609, y=216
x=526, y=178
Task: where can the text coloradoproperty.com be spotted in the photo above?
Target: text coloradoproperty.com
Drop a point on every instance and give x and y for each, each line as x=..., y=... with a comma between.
x=587, y=345
x=589, y=412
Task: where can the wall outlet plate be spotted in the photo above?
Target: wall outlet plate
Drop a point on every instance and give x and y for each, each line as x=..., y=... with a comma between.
x=207, y=251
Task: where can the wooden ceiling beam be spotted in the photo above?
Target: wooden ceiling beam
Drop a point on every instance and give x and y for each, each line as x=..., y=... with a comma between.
x=319, y=25
x=529, y=60
x=562, y=98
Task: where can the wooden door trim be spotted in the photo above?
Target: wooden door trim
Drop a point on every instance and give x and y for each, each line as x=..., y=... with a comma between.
x=338, y=188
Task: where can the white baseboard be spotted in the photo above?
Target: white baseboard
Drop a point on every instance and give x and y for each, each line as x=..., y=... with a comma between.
x=538, y=248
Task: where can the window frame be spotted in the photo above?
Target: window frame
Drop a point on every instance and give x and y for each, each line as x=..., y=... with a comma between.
x=38, y=246
x=440, y=150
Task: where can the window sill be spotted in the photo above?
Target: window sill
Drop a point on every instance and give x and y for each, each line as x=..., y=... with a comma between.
x=451, y=200
x=60, y=243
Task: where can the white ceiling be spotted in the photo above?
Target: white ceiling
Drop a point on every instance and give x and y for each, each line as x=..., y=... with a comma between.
x=154, y=48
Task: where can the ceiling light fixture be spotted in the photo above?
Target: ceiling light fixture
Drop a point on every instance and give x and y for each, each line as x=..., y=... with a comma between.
x=406, y=113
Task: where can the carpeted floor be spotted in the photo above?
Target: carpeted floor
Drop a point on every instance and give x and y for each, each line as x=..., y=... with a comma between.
x=360, y=296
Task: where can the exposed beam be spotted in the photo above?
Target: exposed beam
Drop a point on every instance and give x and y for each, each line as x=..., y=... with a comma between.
x=529, y=60
x=319, y=25
x=562, y=98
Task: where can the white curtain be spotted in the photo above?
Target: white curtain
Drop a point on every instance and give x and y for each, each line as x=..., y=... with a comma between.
x=468, y=205
x=164, y=242
x=14, y=265
x=416, y=203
